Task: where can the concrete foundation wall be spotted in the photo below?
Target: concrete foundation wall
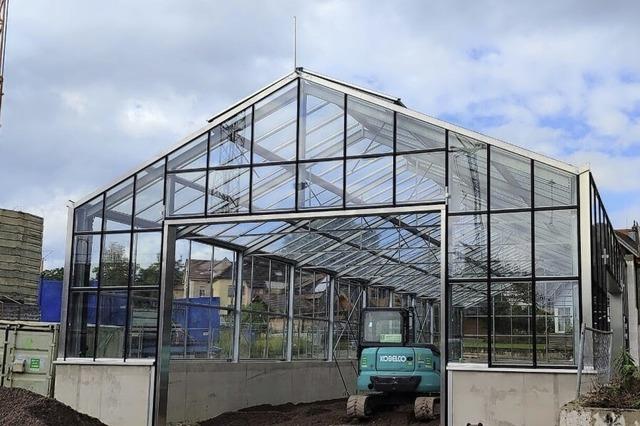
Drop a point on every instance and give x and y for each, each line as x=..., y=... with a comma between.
x=200, y=390
x=118, y=395
x=506, y=398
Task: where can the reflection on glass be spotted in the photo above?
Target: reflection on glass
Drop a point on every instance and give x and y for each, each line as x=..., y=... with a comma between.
x=321, y=122
x=467, y=173
x=118, y=207
x=557, y=323
x=556, y=243
x=146, y=258
x=511, y=342
x=229, y=191
x=467, y=246
x=554, y=187
x=149, y=197
x=143, y=318
x=320, y=184
x=510, y=180
x=86, y=260
x=309, y=339
x=275, y=126
x=191, y=156
x=414, y=135
x=369, y=181
x=468, y=322
x=369, y=128
x=185, y=193
x=274, y=187
x=111, y=324
x=420, y=177
x=82, y=325
x=88, y=217
x=115, y=260
x=511, y=244
x=231, y=141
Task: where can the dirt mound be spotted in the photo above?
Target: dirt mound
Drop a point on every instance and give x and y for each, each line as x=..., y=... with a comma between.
x=321, y=413
x=22, y=407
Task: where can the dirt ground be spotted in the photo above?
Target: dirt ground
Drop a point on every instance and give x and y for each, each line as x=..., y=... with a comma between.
x=317, y=413
x=25, y=408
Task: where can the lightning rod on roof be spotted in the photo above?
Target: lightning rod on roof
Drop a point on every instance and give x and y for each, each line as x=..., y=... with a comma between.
x=295, y=43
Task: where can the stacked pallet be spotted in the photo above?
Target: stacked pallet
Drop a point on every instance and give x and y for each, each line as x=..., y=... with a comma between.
x=20, y=256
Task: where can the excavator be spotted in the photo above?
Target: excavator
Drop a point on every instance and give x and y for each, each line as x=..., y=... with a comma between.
x=393, y=369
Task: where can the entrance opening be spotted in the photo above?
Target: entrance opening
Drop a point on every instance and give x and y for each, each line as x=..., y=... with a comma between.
x=291, y=289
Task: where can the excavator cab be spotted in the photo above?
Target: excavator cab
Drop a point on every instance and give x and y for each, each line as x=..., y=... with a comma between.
x=393, y=368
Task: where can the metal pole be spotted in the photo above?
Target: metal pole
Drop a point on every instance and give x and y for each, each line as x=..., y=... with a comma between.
x=292, y=278
x=332, y=300
x=580, y=360
x=237, y=307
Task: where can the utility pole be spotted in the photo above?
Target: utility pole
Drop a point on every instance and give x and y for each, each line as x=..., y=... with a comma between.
x=4, y=8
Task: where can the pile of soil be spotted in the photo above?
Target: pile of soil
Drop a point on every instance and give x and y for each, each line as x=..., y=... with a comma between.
x=331, y=412
x=22, y=407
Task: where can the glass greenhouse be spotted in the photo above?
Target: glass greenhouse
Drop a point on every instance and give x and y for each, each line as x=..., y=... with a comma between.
x=263, y=235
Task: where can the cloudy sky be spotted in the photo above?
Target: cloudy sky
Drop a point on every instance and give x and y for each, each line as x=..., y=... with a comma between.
x=94, y=88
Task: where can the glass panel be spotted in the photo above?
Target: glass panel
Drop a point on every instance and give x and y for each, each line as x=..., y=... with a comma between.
x=119, y=206
x=420, y=177
x=201, y=331
x=86, y=260
x=512, y=341
x=556, y=243
x=369, y=128
x=467, y=174
x=370, y=181
x=149, y=197
x=554, y=187
x=146, y=258
x=191, y=156
x=82, y=325
x=321, y=122
x=223, y=288
x=415, y=135
x=468, y=246
x=511, y=244
x=309, y=339
x=185, y=193
x=510, y=180
x=468, y=319
x=266, y=285
x=275, y=126
x=310, y=294
x=199, y=272
x=180, y=270
x=143, y=318
x=231, y=141
x=274, y=187
x=557, y=326
x=112, y=317
x=115, y=260
x=229, y=191
x=88, y=217
x=320, y=184
x=263, y=336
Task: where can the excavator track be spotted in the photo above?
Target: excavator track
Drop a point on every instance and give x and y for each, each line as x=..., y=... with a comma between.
x=426, y=407
x=358, y=406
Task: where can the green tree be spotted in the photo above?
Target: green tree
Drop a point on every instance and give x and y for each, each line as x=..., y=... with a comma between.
x=53, y=274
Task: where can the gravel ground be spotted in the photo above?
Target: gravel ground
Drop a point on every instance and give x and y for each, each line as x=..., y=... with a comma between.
x=317, y=413
x=25, y=408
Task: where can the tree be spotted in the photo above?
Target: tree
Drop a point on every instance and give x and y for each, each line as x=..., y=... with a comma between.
x=53, y=274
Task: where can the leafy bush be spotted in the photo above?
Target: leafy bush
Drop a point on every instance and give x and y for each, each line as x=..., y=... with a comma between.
x=623, y=391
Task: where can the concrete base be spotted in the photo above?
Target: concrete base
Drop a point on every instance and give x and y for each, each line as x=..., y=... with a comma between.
x=200, y=390
x=572, y=415
x=117, y=394
x=522, y=397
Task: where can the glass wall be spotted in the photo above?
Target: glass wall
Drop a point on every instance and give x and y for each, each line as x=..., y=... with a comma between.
x=512, y=246
x=512, y=258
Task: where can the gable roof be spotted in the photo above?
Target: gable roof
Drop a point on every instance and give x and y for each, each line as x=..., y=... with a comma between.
x=377, y=98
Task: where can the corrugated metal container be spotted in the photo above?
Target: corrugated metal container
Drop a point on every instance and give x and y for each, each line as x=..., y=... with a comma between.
x=27, y=355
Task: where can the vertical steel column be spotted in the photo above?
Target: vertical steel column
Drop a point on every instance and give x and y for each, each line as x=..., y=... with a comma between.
x=332, y=297
x=163, y=352
x=66, y=282
x=237, y=313
x=444, y=356
x=586, y=264
x=431, y=318
x=292, y=280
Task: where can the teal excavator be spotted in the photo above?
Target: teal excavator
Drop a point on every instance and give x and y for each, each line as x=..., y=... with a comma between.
x=393, y=369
